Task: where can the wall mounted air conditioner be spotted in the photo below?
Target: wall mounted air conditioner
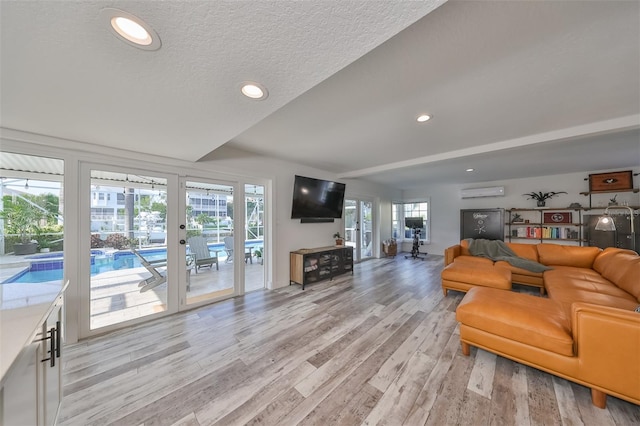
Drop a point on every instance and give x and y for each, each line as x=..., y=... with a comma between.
x=494, y=191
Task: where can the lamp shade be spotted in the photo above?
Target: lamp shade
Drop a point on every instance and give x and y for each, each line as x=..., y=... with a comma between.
x=605, y=223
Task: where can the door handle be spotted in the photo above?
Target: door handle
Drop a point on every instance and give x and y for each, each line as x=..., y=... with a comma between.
x=52, y=346
x=58, y=345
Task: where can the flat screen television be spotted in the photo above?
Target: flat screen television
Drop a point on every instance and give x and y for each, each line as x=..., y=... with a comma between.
x=317, y=199
x=413, y=222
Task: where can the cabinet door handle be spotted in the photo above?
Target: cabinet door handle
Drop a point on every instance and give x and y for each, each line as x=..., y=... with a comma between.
x=58, y=333
x=52, y=351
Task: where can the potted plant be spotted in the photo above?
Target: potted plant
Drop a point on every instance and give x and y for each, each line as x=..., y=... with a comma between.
x=22, y=219
x=44, y=244
x=339, y=239
x=542, y=197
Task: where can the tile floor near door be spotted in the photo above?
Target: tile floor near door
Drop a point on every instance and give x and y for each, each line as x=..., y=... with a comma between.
x=116, y=295
x=377, y=347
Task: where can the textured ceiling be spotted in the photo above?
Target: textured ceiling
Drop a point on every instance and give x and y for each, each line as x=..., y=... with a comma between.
x=505, y=82
x=64, y=74
x=494, y=75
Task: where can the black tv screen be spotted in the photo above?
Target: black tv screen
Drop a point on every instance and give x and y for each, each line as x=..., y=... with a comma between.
x=413, y=222
x=317, y=199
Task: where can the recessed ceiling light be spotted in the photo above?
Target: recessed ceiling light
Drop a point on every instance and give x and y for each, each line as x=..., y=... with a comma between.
x=469, y=170
x=131, y=29
x=422, y=118
x=254, y=90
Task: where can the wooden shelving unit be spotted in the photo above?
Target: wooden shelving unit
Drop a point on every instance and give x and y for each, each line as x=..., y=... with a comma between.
x=318, y=264
x=540, y=231
x=590, y=193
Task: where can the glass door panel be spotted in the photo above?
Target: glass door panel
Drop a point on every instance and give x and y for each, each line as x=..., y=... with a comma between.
x=31, y=221
x=358, y=224
x=366, y=230
x=209, y=240
x=128, y=247
x=254, y=245
x=351, y=228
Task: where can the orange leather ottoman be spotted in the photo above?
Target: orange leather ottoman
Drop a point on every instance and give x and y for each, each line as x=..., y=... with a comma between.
x=462, y=277
x=516, y=317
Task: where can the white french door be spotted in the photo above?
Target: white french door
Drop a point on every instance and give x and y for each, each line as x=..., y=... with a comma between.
x=206, y=241
x=130, y=259
x=158, y=243
x=358, y=220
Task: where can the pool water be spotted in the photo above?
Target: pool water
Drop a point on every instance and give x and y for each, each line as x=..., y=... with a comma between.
x=37, y=276
x=48, y=267
x=100, y=263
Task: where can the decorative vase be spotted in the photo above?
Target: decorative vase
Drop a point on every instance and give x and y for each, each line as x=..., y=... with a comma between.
x=541, y=203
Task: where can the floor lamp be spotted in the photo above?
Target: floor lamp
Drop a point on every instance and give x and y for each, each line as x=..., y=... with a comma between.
x=606, y=223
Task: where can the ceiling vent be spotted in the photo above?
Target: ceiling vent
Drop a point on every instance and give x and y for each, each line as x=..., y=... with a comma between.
x=494, y=191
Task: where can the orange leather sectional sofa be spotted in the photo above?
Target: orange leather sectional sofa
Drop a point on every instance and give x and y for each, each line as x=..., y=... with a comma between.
x=585, y=331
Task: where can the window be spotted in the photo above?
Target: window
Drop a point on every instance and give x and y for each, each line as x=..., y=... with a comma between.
x=395, y=224
x=400, y=211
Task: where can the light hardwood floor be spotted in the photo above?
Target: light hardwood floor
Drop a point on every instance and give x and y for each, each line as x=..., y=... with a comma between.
x=378, y=347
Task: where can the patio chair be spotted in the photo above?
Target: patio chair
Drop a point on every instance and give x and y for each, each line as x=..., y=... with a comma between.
x=228, y=247
x=156, y=277
x=198, y=246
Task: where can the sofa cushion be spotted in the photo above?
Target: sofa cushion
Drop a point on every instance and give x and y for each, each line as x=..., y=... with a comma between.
x=486, y=276
x=516, y=270
x=473, y=261
x=464, y=248
x=568, y=295
x=568, y=278
x=559, y=255
x=527, y=319
x=621, y=267
x=527, y=251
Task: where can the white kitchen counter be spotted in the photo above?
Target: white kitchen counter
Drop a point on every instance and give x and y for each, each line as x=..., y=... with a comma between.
x=23, y=308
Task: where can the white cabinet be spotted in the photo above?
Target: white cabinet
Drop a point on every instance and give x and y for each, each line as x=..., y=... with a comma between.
x=32, y=390
x=50, y=360
x=19, y=404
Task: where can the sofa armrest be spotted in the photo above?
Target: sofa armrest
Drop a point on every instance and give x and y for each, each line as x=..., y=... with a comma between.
x=607, y=343
x=451, y=253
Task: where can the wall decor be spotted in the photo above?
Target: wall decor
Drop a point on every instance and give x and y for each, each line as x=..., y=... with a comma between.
x=611, y=181
x=557, y=217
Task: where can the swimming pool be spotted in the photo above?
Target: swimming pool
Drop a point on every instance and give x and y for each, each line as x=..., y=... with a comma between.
x=49, y=266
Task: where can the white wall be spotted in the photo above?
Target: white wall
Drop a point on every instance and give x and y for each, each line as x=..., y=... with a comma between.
x=446, y=202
